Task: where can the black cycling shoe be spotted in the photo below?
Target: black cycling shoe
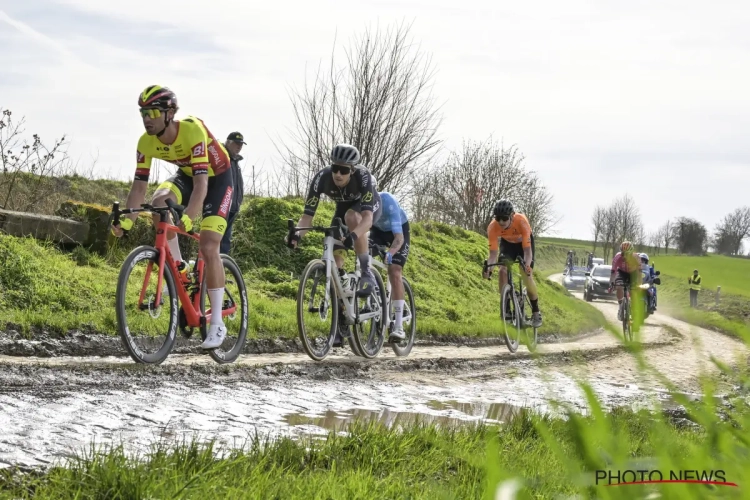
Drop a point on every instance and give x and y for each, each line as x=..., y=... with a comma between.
x=366, y=285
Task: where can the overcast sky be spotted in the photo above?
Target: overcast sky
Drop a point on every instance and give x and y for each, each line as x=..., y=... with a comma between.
x=603, y=98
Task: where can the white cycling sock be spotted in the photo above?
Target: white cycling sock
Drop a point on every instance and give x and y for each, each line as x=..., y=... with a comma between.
x=216, y=298
x=398, y=311
x=174, y=248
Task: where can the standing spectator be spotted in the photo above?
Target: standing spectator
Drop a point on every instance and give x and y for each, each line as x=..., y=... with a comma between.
x=234, y=145
x=695, y=286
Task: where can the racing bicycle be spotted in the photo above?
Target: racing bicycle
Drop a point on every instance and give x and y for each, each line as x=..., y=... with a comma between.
x=515, y=307
x=149, y=313
x=325, y=295
x=409, y=318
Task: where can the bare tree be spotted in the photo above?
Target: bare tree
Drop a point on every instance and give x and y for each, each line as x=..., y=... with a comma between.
x=27, y=167
x=730, y=232
x=464, y=188
x=598, y=220
x=665, y=233
x=654, y=241
x=380, y=102
x=622, y=221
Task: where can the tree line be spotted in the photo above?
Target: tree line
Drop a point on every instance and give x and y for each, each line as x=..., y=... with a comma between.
x=621, y=220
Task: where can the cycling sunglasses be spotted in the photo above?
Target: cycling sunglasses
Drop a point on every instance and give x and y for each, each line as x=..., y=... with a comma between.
x=340, y=169
x=152, y=112
x=502, y=218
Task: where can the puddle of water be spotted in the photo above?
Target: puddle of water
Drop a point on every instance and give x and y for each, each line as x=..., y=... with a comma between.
x=446, y=413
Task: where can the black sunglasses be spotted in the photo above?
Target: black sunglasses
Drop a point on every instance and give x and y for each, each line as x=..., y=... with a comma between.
x=502, y=218
x=339, y=169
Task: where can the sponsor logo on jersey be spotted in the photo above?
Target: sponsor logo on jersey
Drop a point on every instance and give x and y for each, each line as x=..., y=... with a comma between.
x=225, y=203
x=367, y=198
x=199, y=150
x=140, y=157
x=312, y=202
x=215, y=154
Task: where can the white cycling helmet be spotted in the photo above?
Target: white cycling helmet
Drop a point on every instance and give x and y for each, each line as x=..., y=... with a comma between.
x=644, y=257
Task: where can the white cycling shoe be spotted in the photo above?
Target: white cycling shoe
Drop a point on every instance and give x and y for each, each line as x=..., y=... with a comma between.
x=397, y=335
x=215, y=337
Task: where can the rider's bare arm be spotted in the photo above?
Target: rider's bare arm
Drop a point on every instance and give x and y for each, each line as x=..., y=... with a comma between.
x=528, y=256
x=136, y=196
x=398, y=240
x=493, y=257
x=304, y=221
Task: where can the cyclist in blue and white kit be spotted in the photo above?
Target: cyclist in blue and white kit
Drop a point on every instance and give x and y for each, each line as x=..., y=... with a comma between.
x=391, y=229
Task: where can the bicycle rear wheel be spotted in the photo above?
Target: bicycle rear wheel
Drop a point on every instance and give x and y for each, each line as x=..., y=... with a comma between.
x=510, y=309
x=529, y=329
x=147, y=333
x=369, y=335
x=316, y=304
x=404, y=347
x=234, y=310
x=627, y=321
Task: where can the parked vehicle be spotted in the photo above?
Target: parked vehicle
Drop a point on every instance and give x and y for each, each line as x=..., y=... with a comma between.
x=597, y=283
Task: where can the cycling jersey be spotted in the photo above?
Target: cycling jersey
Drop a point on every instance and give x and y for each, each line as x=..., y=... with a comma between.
x=360, y=189
x=628, y=264
x=195, y=150
x=519, y=231
x=393, y=217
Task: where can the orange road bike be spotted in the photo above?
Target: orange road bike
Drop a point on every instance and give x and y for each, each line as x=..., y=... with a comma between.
x=148, y=313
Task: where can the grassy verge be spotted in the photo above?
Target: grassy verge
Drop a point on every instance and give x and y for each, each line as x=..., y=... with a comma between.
x=43, y=287
x=550, y=459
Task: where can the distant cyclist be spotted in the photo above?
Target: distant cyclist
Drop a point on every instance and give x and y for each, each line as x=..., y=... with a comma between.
x=626, y=265
x=203, y=183
x=392, y=229
x=511, y=232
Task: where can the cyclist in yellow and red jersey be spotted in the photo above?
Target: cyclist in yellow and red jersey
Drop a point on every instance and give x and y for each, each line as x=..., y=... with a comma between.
x=625, y=265
x=511, y=232
x=203, y=184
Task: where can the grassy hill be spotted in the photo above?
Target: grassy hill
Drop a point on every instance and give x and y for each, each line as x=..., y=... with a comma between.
x=43, y=287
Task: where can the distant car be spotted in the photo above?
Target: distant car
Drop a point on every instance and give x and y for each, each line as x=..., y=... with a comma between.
x=597, y=283
x=574, y=278
x=597, y=261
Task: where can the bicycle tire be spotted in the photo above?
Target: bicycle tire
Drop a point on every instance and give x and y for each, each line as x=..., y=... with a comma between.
x=627, y=330
x=138, y=254
x=379, y=326
x=312, y=266
x=220, y=355
x=508, y=291
x=411, y=335
x=532, y=340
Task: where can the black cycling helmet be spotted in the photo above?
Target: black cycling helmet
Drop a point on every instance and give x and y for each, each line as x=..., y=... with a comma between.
x=345, y=154
x=502, y=208
x=157, y=97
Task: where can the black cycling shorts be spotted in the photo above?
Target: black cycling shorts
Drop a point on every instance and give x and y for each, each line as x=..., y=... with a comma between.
x=218, y=200
x=386, y=238
x=514, y=250
x=623, y=278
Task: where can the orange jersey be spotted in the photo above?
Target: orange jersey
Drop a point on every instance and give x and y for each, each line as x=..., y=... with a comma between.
x=195, y=150
x=519, y=231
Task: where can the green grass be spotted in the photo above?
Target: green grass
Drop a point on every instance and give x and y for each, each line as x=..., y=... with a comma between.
x=732, y=274
x=44, y=287
x=552, y=458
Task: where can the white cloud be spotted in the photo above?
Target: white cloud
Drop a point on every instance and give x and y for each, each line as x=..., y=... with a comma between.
x=601, y=98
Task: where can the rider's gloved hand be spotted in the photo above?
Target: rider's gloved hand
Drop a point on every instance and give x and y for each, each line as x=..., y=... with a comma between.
x=125, y=225
x=291, y=240
x=187, y=222
x=528, y=270
x=349, y=240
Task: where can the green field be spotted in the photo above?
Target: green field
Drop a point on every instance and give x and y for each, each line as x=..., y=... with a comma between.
x=732, y=274
x=43, y=287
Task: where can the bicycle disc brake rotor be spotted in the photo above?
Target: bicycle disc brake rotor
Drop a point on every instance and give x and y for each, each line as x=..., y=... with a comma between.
x=154, y=311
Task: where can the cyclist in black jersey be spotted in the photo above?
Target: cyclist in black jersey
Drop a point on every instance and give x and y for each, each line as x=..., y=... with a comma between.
x=358, y=204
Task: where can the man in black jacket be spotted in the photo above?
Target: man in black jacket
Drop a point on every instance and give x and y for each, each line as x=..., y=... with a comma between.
x=234, y=144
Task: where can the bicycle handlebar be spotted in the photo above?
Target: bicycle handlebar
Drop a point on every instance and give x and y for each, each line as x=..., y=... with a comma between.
x=173, y=208
x=501, y=261
x=337, y=224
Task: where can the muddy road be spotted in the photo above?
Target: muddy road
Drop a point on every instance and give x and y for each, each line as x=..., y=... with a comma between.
x=52, y=404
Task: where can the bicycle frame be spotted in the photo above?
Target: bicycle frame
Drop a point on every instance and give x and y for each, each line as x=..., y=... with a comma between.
x=507, y=263
x=192, y=310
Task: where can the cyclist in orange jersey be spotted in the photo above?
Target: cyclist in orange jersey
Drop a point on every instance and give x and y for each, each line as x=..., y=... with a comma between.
x=511, y=234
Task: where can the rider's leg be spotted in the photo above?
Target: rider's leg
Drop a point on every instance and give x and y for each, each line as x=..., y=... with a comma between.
x=178, y=189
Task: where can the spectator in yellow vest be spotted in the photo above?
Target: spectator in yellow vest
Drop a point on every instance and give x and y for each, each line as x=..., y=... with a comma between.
x=695, y=286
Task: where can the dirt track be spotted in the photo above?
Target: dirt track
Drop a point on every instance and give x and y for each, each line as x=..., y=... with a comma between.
x=54, y=404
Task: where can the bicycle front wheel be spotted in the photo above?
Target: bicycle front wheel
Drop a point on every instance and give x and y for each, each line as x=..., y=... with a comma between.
x=409, y=320
x=627, y=322
x=530, y=330
x=317, y=311
x=147, y=328
x=369, y=334
x=234, y=311
x=510, y=315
